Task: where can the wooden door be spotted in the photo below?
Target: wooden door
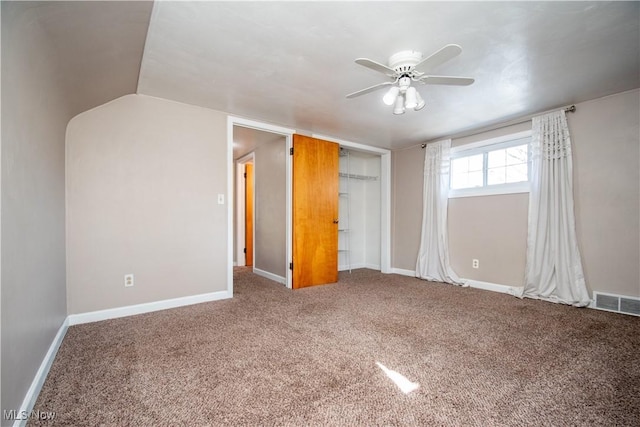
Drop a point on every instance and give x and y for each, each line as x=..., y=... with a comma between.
x=315, y=211
x=248, y=214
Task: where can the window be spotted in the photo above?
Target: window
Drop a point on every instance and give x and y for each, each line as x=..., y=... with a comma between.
x=496, y=166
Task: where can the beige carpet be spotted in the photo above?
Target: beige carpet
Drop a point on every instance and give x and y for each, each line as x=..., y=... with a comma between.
x=271, y=356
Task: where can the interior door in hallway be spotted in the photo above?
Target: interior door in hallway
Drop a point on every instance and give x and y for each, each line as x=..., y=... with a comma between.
x=315, y=211
x=248, y=221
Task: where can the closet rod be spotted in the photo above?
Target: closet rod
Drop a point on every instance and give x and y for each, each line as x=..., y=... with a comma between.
x=570, y=109
x=355, y=176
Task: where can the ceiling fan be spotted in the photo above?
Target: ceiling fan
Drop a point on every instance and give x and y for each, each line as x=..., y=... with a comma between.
x=405, y=67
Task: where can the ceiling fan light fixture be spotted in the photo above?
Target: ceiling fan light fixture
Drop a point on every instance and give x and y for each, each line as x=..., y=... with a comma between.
x=404, y=83
x=406, y=67
x=411, y=98
x=420, y=105
x=398, y=108
x=390, y=97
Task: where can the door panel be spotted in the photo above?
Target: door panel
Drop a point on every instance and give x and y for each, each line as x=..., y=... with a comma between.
x=315, y=211
x=248, y=221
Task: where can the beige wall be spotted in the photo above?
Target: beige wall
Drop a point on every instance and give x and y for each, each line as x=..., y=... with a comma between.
x=493, y=230
x=270, y=207
x=143, y=176
x=606, y=141
x=49, y=74
x=34, y=116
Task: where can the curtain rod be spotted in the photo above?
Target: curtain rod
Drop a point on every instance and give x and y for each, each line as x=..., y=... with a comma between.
x=570, y=109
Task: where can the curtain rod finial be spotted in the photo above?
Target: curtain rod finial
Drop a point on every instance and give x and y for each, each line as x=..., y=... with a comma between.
x=423, y=145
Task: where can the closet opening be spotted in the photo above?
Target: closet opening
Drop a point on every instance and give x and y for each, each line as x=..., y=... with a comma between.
x=359, y=203
x=364, y=206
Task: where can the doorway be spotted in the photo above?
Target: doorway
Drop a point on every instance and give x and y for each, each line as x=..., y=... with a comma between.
x=237, y=212
x=244, y=206
x=262, y=152
x=248, y=214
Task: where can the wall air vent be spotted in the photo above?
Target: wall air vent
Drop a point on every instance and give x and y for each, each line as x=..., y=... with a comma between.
x=630, y=306
x=616, y=303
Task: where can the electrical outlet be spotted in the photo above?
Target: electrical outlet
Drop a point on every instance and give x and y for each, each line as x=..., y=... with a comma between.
x=475, y=263
x=128, y=280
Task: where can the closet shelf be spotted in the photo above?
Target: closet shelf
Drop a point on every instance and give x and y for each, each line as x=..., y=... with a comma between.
x=356, y=176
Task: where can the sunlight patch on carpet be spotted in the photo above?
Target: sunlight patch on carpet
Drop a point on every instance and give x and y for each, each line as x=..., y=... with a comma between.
x=403, y=383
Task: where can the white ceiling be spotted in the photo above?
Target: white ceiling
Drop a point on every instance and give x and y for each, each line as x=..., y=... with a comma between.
x=292, y=63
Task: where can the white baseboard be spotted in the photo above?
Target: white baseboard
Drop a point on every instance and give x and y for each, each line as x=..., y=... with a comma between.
x=372, y=267
x=94, y=316
x=114, y=313
x=41, y=375
x=403, y=272
x=494, y=287
x=487, y=286
x=346, y=267
x=270, y=276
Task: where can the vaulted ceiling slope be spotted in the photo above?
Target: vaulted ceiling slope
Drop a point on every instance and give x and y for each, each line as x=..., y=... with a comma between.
x=292, y=63
x=96, y=46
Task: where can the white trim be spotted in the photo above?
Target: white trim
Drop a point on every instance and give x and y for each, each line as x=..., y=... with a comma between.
x=372, y=267
x=241, y=258
x=482, y=148
x=385, y=213
x=270, y=276
x=403, y=272
x=347, y=267
x=287, y=133
x=289, y=212
x=38, y=381
x=230, y=221
x=132, y=310
x=491, y=190
x=385, y=195
x=488, y=286
x=353, y=145
x=252, y=124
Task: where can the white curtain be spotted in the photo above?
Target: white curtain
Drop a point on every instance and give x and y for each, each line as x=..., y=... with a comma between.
x=433, y=256
x=554, y=267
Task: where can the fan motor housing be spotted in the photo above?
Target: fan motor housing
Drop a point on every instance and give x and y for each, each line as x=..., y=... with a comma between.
x=403, y=62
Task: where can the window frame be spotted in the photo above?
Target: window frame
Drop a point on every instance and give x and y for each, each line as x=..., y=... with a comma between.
x=484, y=147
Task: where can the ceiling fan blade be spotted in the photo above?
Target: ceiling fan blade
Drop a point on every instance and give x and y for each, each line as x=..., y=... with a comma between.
x=376, y=66
x=448, y=52
x=369, y=89
x=446, y=80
